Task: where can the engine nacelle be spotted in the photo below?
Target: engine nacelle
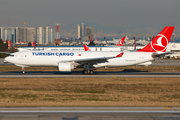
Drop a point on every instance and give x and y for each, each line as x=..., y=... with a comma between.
x=145, y=64
x=65, y=67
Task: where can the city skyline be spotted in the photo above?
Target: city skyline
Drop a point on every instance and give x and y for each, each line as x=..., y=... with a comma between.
x=42, y=35
x=105, y=15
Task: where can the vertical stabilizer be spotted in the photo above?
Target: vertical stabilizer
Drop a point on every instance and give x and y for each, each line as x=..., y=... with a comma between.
x=121, y=42
x=160, y=42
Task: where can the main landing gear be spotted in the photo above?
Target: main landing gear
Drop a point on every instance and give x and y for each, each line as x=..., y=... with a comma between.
x=23, y=70
x=87, y=71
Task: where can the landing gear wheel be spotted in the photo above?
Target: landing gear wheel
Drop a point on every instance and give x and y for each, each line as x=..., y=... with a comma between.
x=23, y=70
x=85, y=72
x=91, y=72
x=88, y=72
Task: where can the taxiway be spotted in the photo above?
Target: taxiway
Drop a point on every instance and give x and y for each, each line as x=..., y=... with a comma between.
x=90, y=113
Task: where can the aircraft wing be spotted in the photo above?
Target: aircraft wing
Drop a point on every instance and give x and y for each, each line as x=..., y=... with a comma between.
x=5, y=52
x=93, y=60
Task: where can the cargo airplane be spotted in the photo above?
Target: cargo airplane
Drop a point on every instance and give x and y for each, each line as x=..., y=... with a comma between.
x=68, y=60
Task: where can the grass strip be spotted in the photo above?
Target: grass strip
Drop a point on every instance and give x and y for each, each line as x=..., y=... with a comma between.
x=89, y=92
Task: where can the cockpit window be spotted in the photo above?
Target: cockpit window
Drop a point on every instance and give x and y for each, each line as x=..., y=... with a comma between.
x=11, y=55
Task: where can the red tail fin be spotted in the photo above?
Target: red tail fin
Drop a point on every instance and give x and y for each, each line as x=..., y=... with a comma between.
x=9, y=43
x=160, y=42
x=34, y=44
x=86, y=48
x=90, y=39
x=152, y=38
x=121, y=42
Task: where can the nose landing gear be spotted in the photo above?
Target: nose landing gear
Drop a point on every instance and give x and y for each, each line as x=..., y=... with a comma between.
x=23, y=70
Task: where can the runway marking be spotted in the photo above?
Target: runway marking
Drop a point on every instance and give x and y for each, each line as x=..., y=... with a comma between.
x=167, y=107
x=91, y=111
x=19, y=116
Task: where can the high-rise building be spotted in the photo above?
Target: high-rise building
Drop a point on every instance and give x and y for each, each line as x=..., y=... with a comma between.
x=9, y=33
x=50, y=35
x=81, y=30
x=31, y=34
x=78, y=31
x=42, y=35
x=39, y=35
x=90, y=32
x=45, y=35
x=22, y=34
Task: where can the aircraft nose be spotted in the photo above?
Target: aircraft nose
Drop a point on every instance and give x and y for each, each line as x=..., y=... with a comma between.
x=6, y=60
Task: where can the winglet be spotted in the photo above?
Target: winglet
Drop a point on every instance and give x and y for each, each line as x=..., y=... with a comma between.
x=121, y=41
x=86, y=48
x=120, y=55
x=160, y=42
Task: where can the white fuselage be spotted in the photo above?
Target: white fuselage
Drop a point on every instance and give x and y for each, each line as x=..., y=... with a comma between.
x=53, y=58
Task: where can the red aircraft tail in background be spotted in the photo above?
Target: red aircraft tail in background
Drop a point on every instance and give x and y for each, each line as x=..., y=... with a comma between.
x=121, y=41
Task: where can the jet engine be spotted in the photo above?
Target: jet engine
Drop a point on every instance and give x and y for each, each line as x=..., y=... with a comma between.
x=145, y=64
x=65, y=67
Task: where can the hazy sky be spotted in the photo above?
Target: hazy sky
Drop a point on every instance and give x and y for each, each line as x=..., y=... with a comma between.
x=120, y=13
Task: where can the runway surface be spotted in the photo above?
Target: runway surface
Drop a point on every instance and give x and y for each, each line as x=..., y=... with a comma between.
x=90, y=113
x=77, y=74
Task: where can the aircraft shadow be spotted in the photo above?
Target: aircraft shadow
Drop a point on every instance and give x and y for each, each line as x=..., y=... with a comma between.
x=125, y=71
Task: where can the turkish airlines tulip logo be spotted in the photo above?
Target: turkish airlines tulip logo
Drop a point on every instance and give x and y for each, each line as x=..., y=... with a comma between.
x=121, y=42
x=159, y=44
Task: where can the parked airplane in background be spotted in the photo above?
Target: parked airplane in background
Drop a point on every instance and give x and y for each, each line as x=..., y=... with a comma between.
x=105, y=42
x=112, y=42
x=121, y=41
x=97, y=42
x=68, y=60
x=86, y=48
x=75, y=48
